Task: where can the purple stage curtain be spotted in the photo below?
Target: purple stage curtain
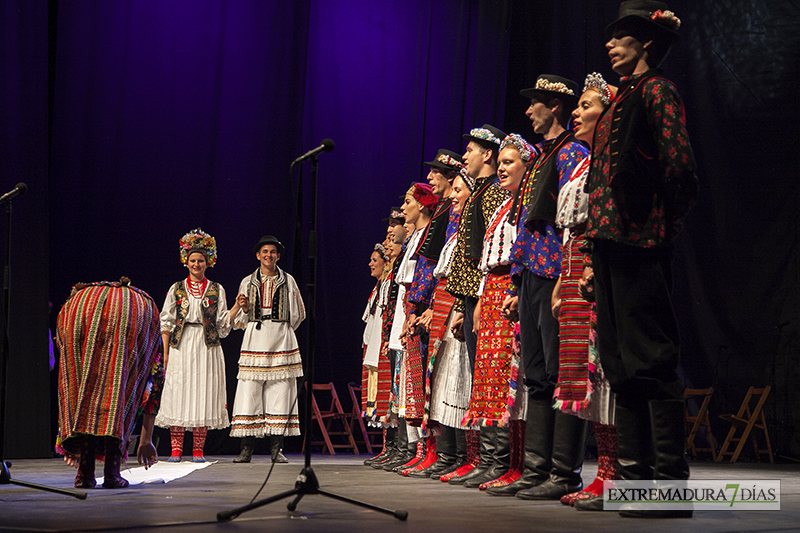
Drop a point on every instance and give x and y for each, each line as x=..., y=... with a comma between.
x=24, y=158
x=178, y=114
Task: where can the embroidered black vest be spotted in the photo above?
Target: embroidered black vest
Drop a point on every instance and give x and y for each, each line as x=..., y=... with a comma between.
x=433, y=239
x=633, y=152
x=475, y=225
x=280, y=299
x=542, y=201
x=209, y=306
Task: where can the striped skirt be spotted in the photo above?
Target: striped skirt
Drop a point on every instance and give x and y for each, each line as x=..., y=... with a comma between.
x=109, y=339
x=572, y=391
x=492, y=380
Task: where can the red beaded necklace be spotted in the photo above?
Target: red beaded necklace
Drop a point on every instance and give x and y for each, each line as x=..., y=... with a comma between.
x=196, y=289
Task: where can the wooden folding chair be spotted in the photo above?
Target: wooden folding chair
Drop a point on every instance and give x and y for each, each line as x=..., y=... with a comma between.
x=695, y=422
x=326, y=418
x=357, y=420
x=747, y=419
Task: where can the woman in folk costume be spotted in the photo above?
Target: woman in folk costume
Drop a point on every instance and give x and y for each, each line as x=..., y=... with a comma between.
x=270, y=310
x=194, y=318
x=375, y=366
x=449, y=365
x=415, y=273
x=498, y=396
x=396, y=447
x=102, y=383
x=582, y=388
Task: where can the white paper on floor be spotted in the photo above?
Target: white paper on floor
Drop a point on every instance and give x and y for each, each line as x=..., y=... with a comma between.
x=161, y=472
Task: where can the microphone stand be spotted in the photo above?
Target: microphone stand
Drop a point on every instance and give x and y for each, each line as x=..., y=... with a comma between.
x=307, y=482
x=5, y=475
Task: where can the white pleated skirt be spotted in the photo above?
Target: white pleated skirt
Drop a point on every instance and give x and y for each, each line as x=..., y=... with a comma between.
x=194, y=385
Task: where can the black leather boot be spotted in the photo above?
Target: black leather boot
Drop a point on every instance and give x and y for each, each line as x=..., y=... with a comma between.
x=634, y=443
x=461, y=453
x=405, y=451
x=569, y=446
x=538, y=448
x=388, y=448
x=445, y=453
x=668, y=426
x=276, y=449
x=501, y=459
x=85, y=477
x=112, y=478
x=487, y=436
x=246, y=453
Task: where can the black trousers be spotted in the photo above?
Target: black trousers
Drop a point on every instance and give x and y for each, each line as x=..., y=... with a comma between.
x=637, y=332
x=538, y=331
x=470, y=338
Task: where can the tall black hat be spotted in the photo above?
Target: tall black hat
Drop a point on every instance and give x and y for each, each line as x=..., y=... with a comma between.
x=648, y=14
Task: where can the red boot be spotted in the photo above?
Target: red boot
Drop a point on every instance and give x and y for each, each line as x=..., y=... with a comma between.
x=606, y=437
x=517, y=438
x=414, y=460
x=430, y=457
x=473, y=457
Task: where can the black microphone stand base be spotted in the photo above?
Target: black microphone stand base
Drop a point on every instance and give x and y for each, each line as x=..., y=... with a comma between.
x=306, y=484
x=5, y=479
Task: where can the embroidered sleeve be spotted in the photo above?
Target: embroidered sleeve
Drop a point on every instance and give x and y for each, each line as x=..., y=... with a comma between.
x=151, y=399
x=491, y=200
x=667, y=120
x=424, y=284
x=569, y=157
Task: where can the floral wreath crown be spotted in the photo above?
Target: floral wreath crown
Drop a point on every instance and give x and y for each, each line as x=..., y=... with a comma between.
x=524, y=148
x=198, y=240
x=596, y=81
x=381, y=250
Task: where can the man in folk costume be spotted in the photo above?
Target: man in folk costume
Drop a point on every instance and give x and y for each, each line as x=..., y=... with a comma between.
x=641, y=184
x=480, y=169
x=554, y=441
x=271, y=309
x=443, y=169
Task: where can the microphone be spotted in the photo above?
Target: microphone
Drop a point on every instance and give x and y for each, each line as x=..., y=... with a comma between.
x=19, y=189
x=326, y=146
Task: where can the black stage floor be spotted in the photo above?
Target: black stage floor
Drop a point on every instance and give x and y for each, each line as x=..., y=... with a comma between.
x=191, y=503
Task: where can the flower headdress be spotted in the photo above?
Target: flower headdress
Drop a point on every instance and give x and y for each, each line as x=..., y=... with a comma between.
x=595, y=81
x=450, y=161
x=381, y=250
x=484, y=134
x=526, y=151
x=198, y=240
x=666, y=18
x=469, y=181
x=543, y=84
